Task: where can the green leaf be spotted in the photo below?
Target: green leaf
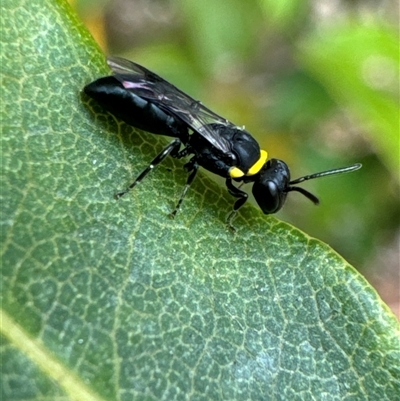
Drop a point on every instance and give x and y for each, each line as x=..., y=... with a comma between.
x=115, y=301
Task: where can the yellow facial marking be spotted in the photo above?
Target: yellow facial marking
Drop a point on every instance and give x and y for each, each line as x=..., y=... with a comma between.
x=258, y=165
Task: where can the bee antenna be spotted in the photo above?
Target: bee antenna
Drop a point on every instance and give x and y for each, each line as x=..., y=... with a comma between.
x=307, y=194
x=341, y=170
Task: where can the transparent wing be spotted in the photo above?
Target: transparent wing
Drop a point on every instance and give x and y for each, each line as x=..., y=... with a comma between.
x=169, y=98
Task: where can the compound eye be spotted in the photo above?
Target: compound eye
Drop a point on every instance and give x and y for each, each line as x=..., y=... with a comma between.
x=267, y=196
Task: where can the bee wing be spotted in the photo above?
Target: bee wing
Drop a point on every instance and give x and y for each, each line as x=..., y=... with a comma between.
x=169, y=98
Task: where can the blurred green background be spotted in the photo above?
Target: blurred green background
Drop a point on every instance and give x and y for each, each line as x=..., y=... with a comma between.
x=316, y=82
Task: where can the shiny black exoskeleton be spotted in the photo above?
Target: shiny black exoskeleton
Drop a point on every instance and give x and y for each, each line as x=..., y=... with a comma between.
x=148, y=102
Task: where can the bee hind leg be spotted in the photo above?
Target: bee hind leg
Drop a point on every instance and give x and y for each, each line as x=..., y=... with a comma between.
x=172, y=148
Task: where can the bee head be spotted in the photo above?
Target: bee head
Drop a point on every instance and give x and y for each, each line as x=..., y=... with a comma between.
x=272, y=184
x=270, y=187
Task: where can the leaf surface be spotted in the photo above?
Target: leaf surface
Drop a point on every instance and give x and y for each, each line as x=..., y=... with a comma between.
x=109, y=300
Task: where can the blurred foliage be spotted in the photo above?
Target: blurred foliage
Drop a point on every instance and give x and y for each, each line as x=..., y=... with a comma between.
x=316, y=82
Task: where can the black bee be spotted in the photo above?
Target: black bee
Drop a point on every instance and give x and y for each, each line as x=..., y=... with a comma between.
x=146, y=101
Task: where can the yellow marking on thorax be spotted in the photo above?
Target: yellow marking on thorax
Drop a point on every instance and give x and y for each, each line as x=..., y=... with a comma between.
x=235, y=172
x=258, y=165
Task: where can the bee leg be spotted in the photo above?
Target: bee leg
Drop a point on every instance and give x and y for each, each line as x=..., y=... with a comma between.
x=237, y=193
x=182, y=153
x=192, y=168
x=172, y=149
